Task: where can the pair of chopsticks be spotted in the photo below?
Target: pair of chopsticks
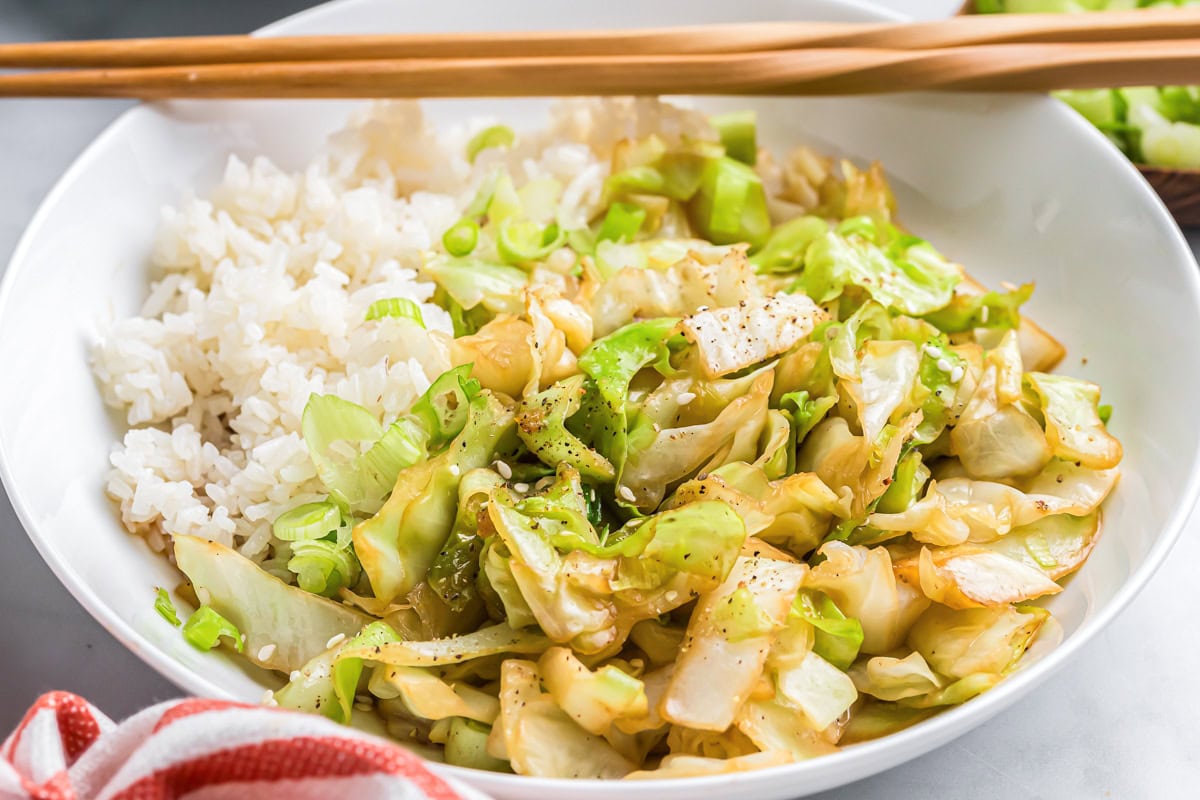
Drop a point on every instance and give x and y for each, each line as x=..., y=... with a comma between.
x=1035, y=52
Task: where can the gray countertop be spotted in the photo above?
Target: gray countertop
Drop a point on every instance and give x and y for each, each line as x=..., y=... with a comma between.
x=1121, y=721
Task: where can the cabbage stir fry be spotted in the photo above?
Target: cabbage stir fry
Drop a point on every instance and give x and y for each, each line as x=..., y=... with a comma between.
x=735, y=474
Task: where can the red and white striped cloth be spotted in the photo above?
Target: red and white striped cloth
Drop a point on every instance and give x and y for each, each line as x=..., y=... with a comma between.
x=65, y=749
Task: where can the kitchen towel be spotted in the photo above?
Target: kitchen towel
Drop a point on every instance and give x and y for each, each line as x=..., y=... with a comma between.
x=65, y=749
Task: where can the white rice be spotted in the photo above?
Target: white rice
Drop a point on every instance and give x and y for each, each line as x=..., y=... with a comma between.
x=259, y=297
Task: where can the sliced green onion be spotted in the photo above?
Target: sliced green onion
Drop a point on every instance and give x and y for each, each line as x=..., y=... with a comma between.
x=483, y=197
x=399, y=307
x=165, y=608
x=738, y=132
x=1175, y=145
x=466, y=746
x=1039, y=548
x=519, y=241
x=204, y=630
x=582, y=241
x=344, y=535
x=495, y=136
x=636, y=180
x=321, y=567
x=444, y=407
x=729, y=201
x=309, y=521
x=461, y=238
x=552, y=238
x=523, y=241
x=730, y=206
x=622, y=222
x=1105, y=412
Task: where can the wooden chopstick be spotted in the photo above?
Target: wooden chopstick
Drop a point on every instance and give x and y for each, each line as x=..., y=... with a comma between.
x=818, y=71
x=1148, y=24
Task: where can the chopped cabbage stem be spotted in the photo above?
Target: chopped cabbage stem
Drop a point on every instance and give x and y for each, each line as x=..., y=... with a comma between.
x=621, y=223
x=738, y=132
x=460, y=238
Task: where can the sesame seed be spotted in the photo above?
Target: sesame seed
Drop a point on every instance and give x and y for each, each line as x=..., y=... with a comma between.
x=932, y=351
x=266, y=651
x=625, y=493
x=983, y=313
x=455, y=470
x=363, y=707
x=944, y=365
x=521, y=487
x=203, y=595
x=295, y=675
x=956, y=374
x=504, y=469
x=335, y=641
x=268, y=698
x=683, y=398
x=701, y=309
x=363, y=697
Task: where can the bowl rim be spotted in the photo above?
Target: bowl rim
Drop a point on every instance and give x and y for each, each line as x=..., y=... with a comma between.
x=858, y=762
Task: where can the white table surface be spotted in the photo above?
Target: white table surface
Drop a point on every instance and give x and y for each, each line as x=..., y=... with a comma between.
x=1121, y=721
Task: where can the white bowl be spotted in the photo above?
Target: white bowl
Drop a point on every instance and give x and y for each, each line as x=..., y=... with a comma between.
x=1016, y=187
